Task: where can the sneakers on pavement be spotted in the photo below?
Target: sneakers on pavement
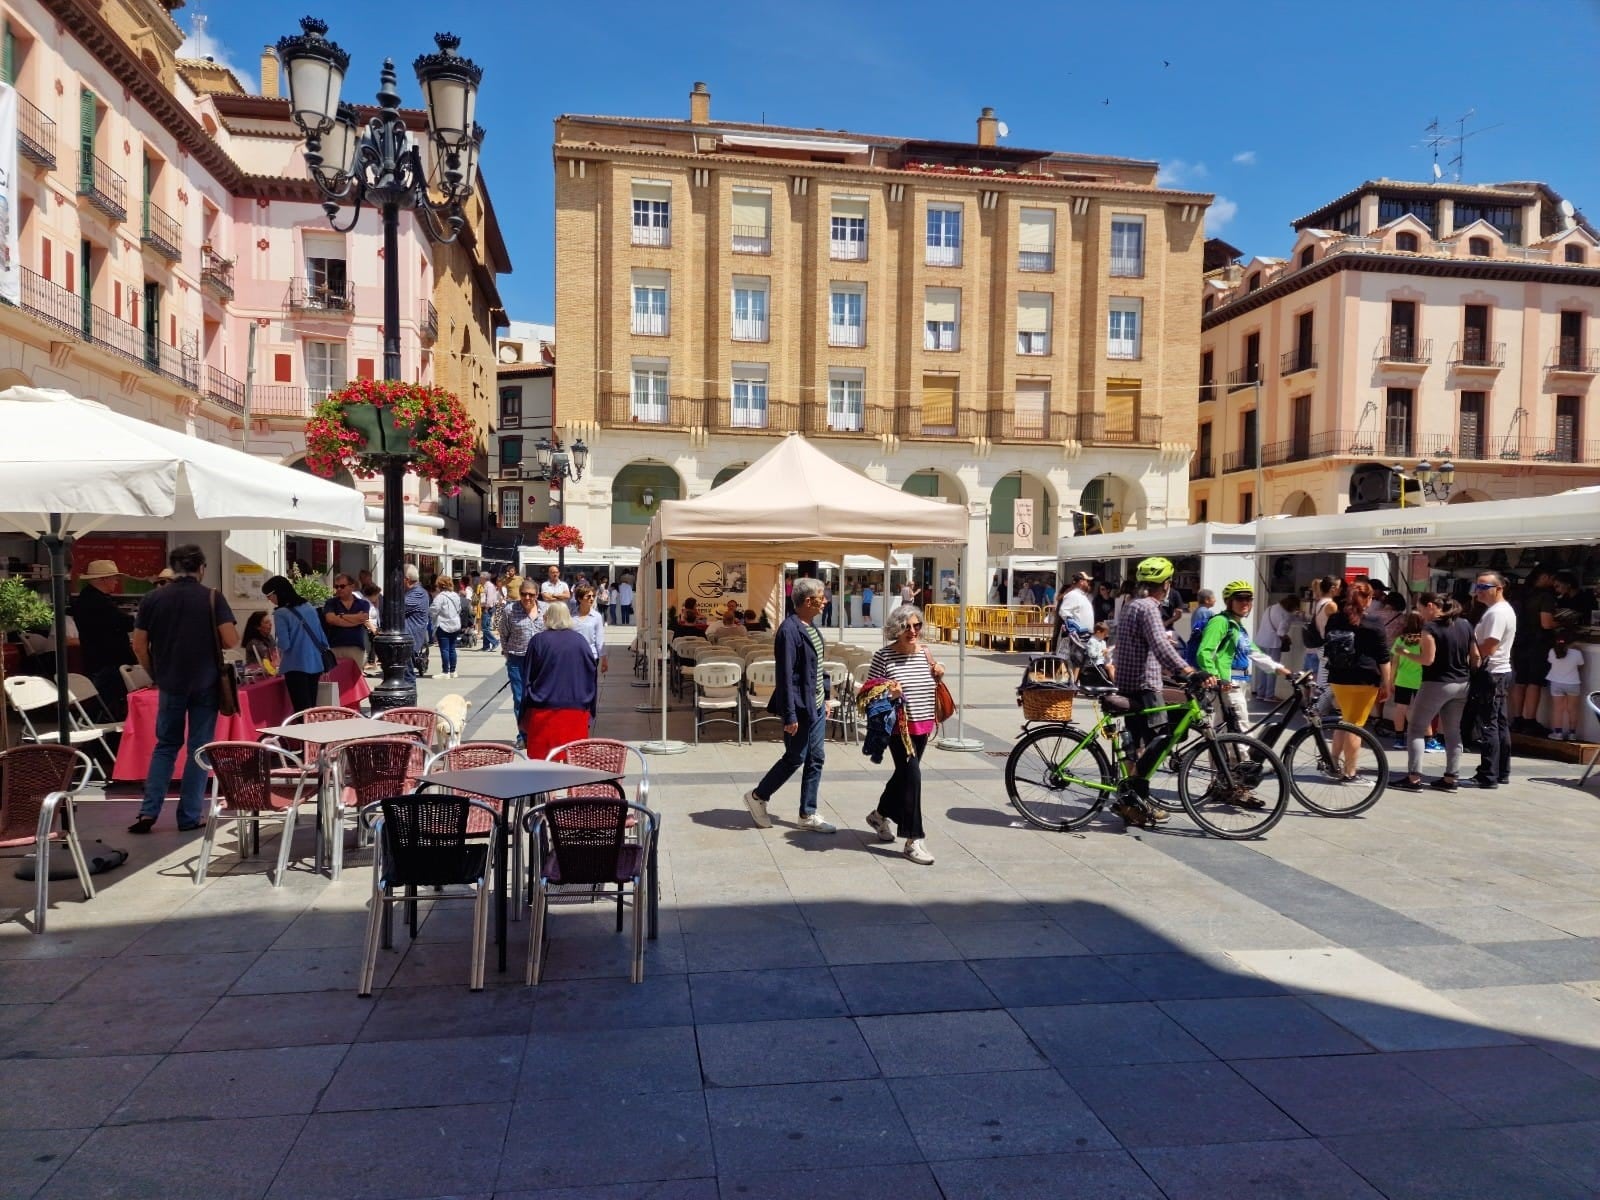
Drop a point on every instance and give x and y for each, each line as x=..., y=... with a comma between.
x=811, y=823
x=758, y=810
x=918, y=853
x=880, y=826
x=1433, y=746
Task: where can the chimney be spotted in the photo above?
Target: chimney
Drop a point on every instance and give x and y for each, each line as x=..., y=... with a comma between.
x=269, y=71
x=700, y=104
x=988, y=127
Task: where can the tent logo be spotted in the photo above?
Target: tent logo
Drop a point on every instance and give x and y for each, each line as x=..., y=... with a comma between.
x=705, y=580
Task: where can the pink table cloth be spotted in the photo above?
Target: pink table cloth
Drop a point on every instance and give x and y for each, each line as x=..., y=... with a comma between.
x=261, y=705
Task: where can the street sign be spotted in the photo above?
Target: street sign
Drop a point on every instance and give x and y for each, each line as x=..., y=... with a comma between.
x=1022, y=524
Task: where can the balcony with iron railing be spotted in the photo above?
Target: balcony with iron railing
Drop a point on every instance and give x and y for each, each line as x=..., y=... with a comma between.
x=36, y=133
x=1032, y=261
x=1032, y=427
x=943, y=256
x=51, y=303
x=847, y=249
x=958, y=424
x=1475, y=354
x=428, y=321
x=1572, y=359
x=1201, y=466
x=281, y=400
x=330, y=297
x=749, y=329
x=216, y=274
x=162, y=233
x=822, y=419
x=1330, y=443
x=623, y=410
x=847, y=335
x=1243, y=377
x=224, y=389
x=770, y=416
x=1402, y=348
x=752, y=239
x=1301, y=358
x=1208, y=390
x=103, y=187
x=1515, y=449
x=652, y=235
x=649, y=324
x=1127, y=266
x=1102, y=429
x=1242, y=459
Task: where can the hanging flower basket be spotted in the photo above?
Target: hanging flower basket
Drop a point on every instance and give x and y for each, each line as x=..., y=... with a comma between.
x=560, y=537
x=366, y=421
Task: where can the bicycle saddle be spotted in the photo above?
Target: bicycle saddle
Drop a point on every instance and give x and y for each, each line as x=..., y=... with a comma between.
x=1114, y=702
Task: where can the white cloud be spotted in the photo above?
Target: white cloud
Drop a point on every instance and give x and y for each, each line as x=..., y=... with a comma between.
x=1221, y=212
x=1245, y=158
x=1177, y=173
x=199, y=44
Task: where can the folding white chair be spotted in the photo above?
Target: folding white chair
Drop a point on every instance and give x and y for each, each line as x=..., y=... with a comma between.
x=83, y=693
x=28, y=694
x=716, y=689
x=134, y=677
x=760, y=681
x=1593, y=701
x=839, y=702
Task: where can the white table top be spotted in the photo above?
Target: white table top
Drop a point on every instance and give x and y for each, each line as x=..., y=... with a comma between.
x=525, y=777
x=349, y=729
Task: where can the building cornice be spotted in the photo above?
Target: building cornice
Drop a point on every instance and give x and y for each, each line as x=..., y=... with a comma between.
x=1401, y=264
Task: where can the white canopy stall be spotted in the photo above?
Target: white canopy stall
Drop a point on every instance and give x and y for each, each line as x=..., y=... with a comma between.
x=794, y=503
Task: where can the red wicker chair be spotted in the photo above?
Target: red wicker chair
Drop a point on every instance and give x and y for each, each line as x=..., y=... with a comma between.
x=246, y=788
x=36, y=782
x=365, y=772
x=427, y=722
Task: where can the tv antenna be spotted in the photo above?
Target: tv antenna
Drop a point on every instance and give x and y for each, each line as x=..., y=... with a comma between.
x=1440, y=138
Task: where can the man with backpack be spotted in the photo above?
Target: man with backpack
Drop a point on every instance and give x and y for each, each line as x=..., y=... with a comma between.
x=1226, y=652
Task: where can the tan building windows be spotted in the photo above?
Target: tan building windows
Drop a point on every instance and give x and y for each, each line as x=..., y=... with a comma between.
x=749, y=408
x=1127, y=246
x=325, y=370
x=1033, y=323
x=944, y=235
x=749, y=309
x=752, y=221
x=652, y=213
x=650, y=303
x=649, y=392
x=1123, y=328
x=847, y=314
x=847, y=399
x=847, y=229
x=939, y=404
x=1031, y=416
x=941, y=318
x=510, y=508
x=1036, y=240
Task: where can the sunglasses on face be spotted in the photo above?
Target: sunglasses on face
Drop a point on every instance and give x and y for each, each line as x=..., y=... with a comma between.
x=1485, y=587
x=914, y=627
x=530, y=595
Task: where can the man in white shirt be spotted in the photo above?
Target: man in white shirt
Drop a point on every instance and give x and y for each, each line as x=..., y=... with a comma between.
x=488, y=606
x=554, y=588
x=1495, y=634
x=1075, y=609
x=625, y=600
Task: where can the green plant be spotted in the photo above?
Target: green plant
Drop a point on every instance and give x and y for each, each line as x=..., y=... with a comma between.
x=309, y=588
x=21, y=608
x=445, y=438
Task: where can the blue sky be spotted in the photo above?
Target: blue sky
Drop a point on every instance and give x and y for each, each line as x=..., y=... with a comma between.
x=1275, y=107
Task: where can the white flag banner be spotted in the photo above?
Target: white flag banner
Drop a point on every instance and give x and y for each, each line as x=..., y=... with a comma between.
x=10, y=275
x=1022, y=524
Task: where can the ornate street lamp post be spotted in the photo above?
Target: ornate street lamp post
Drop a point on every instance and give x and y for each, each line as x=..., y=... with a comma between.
x=1436, y=482
x=559, y=464
x=382, y=164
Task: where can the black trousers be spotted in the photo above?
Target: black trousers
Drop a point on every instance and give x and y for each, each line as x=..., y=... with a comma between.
x=1495, y=764
x=901, y=801
x=302, y=687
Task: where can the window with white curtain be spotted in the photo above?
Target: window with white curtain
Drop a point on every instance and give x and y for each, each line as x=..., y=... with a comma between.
x=749, y=410
x=1122, y=332
x=941, y=315
x=847, y=399
x=325, y=369
x=749, y=310
x=847, y=229
x=847, y=317
x=650, y=302
x=1033, y=323
x=652, y=213
x=1127, y=246
x=752, y=221
x=649, y=391
x=944, y=235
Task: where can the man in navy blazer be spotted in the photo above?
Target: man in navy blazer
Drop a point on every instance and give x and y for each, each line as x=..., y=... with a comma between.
x=800, y=700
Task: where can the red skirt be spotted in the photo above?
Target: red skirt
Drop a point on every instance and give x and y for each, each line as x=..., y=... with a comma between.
x=547, y=728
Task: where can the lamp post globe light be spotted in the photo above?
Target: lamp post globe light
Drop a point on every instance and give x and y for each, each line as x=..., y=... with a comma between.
x=557, y=464
x=382, y=164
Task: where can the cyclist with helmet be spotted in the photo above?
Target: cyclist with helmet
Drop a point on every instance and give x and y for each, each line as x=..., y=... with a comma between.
x=1143, y=648
x=1227, y=652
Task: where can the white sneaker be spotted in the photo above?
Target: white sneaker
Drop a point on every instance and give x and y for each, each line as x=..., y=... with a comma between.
x=918, y=853
x=880, y=825
x=815, y=824
x=758, y=810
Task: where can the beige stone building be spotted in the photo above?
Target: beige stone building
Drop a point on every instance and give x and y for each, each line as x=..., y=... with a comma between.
x=1410, y=321
x=961, y=319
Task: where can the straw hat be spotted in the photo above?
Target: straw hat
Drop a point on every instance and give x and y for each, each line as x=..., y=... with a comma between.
x=100, y=568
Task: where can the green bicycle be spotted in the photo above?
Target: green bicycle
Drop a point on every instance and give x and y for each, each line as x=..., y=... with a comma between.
x=1231, y=785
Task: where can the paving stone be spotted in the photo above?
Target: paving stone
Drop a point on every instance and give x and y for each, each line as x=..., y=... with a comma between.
x=1088, y=1175
x=442, y=1071
x=76, y=1093
x=246, y=932
x=1179, y=1104
x=875, y=988
x=1388, y=1026
x=657, y=1189
x=149, y=977
x=406, y=1014
x=379, y=1155
x=766, y=1052
x=75, y=1028
x=607, y=957
x=666, y=1138
x=1096, y=1035
x=229, y=1159
x=997, y=1113
x=1189, y=976
x=1080, y=979
x=950, y=1043
x=1509, y=1085
x=1262, y=1027
x=1013, y=939
x=587, y=1004
x=1551, y=961
x=41, y=981
x=319, y=969
x=788, y=947
x=903, y=1181
x=1452, y=966
x=765, y=995
x=1465, y=1164
x=885, y=944
x=1273, y=1170
x=1370, y=1093
x=292, y=1019
x=28, y=1157
x=1478, y=923
x=1539, y=1012
x=1573, y=1148
x=795, y=1126
x=232, y=1083
x=557, y=1065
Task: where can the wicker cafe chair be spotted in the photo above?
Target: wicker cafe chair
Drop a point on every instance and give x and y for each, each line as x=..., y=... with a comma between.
x=36, y=782
x=438, y=729
x=424, y=841
x=246, y=789
x=608, y=754
x=585, y=842
x=363, y=773
x=311, y=756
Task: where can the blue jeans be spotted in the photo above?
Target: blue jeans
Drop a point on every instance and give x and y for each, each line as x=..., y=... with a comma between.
x=447, y=648
x=514, y=664
x=490, y=642
x=805, y=747
x=175, y=709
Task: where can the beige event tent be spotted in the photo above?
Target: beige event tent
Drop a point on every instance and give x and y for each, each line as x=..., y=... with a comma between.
x=791, y=504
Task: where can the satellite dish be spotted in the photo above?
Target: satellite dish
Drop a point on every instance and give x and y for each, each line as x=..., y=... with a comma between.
x=1003, y=129
x=1437, y=174
x=1569, y=215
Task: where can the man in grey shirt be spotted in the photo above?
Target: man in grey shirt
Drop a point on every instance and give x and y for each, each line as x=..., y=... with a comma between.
x=1495, y=634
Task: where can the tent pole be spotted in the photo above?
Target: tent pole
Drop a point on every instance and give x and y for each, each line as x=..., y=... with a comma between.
x=664, y=745
x=961, y=742
x=888, y=590
x=57, y=546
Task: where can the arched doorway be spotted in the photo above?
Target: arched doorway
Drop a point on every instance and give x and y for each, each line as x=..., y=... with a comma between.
x=1299, y=504
x=11, y=377
x=636, y=491
x=935, y=485
x=1117, y=503
x=1021, y=485
x=727, y=473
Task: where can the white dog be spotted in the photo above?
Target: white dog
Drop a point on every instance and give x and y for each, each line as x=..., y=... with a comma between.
x=452, y=710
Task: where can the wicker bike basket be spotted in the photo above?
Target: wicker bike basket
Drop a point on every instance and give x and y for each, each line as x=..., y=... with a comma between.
x=1047, y=702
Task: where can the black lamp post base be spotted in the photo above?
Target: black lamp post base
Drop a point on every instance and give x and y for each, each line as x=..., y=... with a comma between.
x=396, y=690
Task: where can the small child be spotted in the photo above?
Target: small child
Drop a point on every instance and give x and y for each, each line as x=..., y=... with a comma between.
x=1097, y=651
x=1566, y=684
x=1407, y=655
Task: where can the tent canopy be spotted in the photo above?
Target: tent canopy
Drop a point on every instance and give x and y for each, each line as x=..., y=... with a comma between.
x=1562, y=519
x=793, y=503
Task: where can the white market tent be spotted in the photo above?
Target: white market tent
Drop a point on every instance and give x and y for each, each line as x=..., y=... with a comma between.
x=1567, y=518
x=792, y=504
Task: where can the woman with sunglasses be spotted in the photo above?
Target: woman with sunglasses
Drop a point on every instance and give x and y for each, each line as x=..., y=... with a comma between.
x=912, y=674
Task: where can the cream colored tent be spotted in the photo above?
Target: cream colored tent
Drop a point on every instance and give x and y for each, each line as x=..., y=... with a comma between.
x=793, y=503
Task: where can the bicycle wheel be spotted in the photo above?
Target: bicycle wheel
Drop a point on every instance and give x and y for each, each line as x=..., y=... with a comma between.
x=1252, y=803
x=1041, y=784
x=1318, y=781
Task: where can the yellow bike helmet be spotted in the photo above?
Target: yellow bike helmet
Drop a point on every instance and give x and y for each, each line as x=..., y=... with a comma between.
x=1239, y=587
x=1154, y=570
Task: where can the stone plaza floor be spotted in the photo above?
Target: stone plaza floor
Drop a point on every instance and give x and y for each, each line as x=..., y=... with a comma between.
x=1403, y=1005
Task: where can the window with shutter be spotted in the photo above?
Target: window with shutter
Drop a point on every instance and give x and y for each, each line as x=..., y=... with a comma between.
x=939, y=403
x=752, y=221
x=88, y=126
x=8, y=55
x=846, y=399
x=1122, y=409
x=941, y=310
x=1036, y=239
x=1033, y=323
x=1032, y=406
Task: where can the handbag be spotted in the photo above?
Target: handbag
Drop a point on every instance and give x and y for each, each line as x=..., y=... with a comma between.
x=329, y=661
x=227, y=681
x=944, y=704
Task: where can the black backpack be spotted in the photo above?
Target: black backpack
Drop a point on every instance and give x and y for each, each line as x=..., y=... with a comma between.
x=1339, y=648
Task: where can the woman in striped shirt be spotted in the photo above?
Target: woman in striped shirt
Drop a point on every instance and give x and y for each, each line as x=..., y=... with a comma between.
x=905, y=662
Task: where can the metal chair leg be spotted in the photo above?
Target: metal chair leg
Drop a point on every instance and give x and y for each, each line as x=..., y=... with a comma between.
x=287, y=839
x=536, y=936
x=206, y=841
x=480, y=931
x=640, y=903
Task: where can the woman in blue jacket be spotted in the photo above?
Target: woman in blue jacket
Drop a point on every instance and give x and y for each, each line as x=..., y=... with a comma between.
x=298, y=628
